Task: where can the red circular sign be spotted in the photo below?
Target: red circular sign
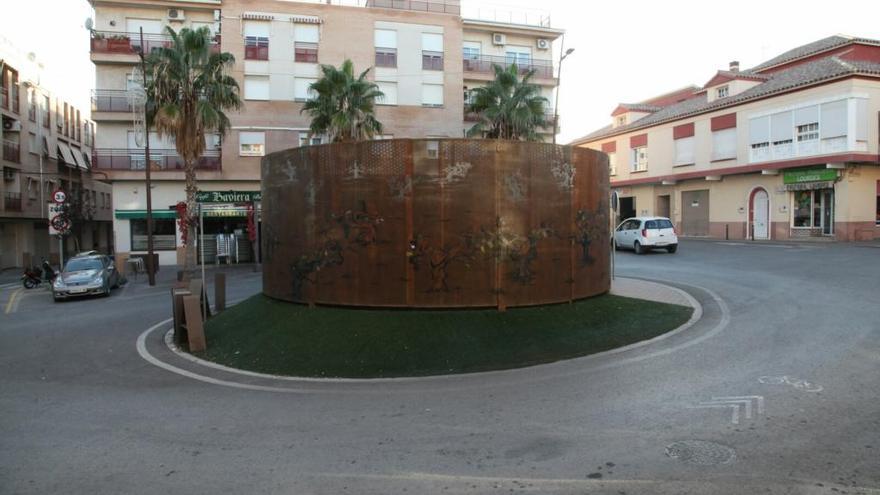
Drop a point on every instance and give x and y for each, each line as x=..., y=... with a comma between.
x=59, y=196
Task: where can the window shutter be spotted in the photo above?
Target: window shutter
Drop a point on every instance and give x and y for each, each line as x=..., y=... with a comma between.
x=609, y=147
x=807, y=115
x=432, y=42
x=724, y=144
x=723, y=122
x=301, y=89
x=684, y=151
x=834, y=122
x=683, y=131
x=432, y=94
x=246, y=137
x=259, y=29
x=759, y=130
x=385, y=38
x=256, y=88
x=306, y=33
x=781, y=127
x=390, y=90
x=638, y=141
x=861, y=119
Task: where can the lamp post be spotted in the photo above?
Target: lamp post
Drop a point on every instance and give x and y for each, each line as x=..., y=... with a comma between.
x=565, y=54
x=151, y=270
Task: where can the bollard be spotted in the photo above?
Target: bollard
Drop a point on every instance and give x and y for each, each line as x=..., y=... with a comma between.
x=219, y=291
x=195, y=331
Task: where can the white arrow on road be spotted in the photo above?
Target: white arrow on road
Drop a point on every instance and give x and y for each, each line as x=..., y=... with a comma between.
x=737, y=404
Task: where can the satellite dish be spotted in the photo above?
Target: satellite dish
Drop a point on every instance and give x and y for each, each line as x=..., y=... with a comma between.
x=89, y=24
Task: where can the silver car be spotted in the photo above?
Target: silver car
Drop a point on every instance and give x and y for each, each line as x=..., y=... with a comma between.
x=84, y=275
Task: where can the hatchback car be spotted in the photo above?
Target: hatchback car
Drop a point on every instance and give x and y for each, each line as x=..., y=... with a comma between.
x=86, y=275
x=644, y=233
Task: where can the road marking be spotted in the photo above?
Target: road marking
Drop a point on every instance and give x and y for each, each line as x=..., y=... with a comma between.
x=794, y=382
x=738, y=404
x=10, y=305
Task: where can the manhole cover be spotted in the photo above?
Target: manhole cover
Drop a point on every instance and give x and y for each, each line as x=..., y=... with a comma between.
x=701, y=453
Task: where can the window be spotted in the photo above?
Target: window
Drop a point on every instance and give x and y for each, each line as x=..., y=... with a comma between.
x=724, y=144
x=302, y=88
x=385, y=41
x=612, y=164
x=32, y=106
x=684, y=151
x=256, y=40
x=164, y=234
x=807, y=209
x=519, y=55
x=390, y=91
x=34, y=147
x=432, y=51
x=471, y=50
x=621, y=120
x=808, y=132
x=45, y=111
x=256, y=87
x=305, y=46
x=722, y=92
x=251, y=143
x=639, y=159
x=432, y=95
x=304, y=139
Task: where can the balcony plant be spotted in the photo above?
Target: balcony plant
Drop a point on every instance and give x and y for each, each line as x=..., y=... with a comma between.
x=119, y=43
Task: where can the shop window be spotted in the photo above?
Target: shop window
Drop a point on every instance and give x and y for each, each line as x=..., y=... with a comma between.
x=807, y=211
x=164, y=232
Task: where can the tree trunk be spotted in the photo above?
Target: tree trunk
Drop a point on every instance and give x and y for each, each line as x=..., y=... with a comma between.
x=189, y=261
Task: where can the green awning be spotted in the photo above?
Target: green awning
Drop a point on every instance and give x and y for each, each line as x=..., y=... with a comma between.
x=143, y=214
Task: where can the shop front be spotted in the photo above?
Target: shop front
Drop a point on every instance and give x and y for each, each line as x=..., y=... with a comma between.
x=812, y=201
x=229, y=221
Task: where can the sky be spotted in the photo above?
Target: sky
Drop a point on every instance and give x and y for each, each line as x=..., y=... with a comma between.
x=625, y=50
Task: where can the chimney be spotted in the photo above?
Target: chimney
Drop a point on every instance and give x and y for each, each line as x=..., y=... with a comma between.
x=734, y=66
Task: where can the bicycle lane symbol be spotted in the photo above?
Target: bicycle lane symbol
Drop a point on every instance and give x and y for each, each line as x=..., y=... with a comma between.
x=797, y=383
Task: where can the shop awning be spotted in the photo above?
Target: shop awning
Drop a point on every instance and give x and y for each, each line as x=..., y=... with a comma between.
x=78, y=158
x=65, y=155
x=129, y=214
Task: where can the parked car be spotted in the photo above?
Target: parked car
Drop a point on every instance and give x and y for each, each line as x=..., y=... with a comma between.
x=84, y=275
x=644, y=233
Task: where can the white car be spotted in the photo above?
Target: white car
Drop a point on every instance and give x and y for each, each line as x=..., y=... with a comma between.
x=644, y=233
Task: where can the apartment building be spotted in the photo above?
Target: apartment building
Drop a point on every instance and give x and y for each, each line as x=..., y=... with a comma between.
x=785, y=150
x=423, y=55
x=47, y=145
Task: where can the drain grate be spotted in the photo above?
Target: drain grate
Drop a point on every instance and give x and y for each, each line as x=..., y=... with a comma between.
x=701, y=453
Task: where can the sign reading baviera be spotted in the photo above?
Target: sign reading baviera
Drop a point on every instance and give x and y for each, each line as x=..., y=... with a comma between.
x=229, y=196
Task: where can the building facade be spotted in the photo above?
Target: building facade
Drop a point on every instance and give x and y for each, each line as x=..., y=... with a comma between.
x=47, y=146
x=422, y=55
x=785, y=150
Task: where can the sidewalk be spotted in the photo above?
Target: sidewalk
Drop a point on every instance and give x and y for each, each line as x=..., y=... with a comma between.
x=650, y=291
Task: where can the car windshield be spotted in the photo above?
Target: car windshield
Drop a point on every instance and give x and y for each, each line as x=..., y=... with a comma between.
x=658, y=224
x=76, y=265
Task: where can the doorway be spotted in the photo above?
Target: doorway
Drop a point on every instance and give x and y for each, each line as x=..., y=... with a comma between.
x=663, y=203
x=759, y=214
x=627, y=208
x=695, y=213
x=827, y=211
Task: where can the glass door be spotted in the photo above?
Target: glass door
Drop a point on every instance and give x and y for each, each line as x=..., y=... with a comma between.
x=827, y=211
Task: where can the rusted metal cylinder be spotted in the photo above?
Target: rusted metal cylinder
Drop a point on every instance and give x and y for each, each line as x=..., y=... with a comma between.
x=435, y=223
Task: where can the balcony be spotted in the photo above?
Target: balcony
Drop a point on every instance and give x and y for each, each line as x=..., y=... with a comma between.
x=130, y=43
x=484, y=63
x=12, y=201
x=111, y=100
x=4, y=97
x=160, y=159
x=437, y=6
x=11, y=151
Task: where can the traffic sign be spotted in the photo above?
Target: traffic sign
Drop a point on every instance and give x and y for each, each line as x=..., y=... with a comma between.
x=59, y=223
x=59, y=196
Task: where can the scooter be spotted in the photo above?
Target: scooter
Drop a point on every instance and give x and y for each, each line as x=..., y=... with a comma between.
x=34, y=276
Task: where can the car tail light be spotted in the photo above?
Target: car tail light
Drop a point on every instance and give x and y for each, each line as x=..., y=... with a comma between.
x=644, y=232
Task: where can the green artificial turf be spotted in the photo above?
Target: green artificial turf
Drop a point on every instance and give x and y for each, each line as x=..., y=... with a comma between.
x=270, y=336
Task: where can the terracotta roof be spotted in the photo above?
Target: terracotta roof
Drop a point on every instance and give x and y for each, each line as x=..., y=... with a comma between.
x=786, y=80
x=723, y=76
x=811, y=49
x=634, y=107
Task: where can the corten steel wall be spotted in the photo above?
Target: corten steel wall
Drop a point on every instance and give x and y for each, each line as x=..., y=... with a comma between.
x=479, y=223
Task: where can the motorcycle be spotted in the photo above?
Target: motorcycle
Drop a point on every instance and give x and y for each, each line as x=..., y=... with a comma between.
x=34, y=276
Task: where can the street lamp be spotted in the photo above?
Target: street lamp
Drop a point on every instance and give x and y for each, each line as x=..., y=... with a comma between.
x=558, y=84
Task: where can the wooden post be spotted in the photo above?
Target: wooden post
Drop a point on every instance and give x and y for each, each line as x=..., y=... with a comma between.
x=219, y=291
x=195, y=331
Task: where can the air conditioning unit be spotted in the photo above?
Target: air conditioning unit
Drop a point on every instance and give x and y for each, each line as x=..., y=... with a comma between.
x=176, y=15
x=499, y=39
x=8, y=174
x=543, y=44
x=12, y=126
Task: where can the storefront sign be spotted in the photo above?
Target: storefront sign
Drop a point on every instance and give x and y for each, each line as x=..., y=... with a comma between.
x=229, y=196
x=809, y=175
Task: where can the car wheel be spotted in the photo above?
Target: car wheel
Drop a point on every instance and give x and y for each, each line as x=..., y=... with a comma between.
x=615, y=245
x=637, y=247
x=106, y=289
x=672, y=249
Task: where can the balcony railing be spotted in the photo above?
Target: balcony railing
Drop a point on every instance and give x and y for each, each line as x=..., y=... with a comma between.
x=111, y=100
x=439, y=6
x=484, y=63
x=11, y=151
x=4, y=97
x=160, y=159
x=15, y=99
x=549, y=117
x=12, y=201
x=129, y=43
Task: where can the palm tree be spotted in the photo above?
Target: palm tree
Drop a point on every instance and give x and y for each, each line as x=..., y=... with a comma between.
x=508, y=107
x=343, y=107
x=188, y=91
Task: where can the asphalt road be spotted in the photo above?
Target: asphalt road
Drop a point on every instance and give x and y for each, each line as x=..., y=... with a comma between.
x=775, y=390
